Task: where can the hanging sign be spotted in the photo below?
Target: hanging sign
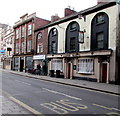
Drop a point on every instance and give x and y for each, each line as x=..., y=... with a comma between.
x=81, y=37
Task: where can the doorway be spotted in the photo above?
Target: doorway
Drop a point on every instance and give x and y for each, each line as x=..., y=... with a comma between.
x=21, y=64
x=104, y=73
x=69, y=70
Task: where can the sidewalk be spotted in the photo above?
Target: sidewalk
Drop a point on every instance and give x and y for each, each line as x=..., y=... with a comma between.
x=103, y=87
x=7, y=106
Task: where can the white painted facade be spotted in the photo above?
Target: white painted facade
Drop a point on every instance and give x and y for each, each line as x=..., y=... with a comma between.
x=112, y=12
x=85, y=25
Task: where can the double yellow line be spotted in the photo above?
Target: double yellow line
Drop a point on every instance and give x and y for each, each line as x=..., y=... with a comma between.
x=21, y=104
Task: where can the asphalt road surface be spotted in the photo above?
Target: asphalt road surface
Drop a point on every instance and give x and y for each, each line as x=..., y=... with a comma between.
x=52, y=98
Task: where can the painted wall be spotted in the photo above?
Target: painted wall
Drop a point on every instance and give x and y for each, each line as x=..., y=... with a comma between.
x=86, y=26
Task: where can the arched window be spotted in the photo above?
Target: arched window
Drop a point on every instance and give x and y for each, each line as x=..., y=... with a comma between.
x=72, y=35
x=53, y=41
x=100, y=32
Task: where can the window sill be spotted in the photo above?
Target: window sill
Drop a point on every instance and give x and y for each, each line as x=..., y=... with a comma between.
x=87, y=73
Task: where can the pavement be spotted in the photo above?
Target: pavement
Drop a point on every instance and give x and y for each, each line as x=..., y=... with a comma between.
x=7, y=106
x=102, y=87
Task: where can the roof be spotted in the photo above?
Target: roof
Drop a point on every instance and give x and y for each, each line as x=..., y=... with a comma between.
x=83, y=12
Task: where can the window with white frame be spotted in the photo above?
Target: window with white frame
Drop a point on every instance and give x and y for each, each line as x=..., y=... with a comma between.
x=40, y=48
x=39, y=35
x=17, y=48
x=29, y=29
x=53, y=47
x=29, y=45
x=100, y=40
x=54, y=32
x=86, y=66
x=23, y=31
x=17, y=33
x=57, y=65
x=22, y=47
x=100, y=19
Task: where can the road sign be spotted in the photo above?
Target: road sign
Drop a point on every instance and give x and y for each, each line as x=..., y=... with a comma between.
x=2, y=51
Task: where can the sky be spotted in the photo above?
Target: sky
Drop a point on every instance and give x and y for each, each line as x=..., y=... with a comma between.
x=12, y=10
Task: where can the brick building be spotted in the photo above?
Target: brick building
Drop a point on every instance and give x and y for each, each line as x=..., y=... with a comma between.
x=25, y=41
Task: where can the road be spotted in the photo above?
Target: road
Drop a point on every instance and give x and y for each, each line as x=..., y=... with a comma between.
x=46, y=97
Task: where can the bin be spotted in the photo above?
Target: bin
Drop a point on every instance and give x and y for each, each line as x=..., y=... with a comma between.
x=52, y=73
x=57, y=73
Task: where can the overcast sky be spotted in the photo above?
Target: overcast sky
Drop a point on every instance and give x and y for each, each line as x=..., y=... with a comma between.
x=11, y=10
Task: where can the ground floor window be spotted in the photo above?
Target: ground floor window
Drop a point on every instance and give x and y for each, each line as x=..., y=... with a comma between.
x=29, y=62
x=86, y=66
x=57, y=65
x=16, y=64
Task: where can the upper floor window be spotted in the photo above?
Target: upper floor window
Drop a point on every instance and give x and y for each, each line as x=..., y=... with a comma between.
x=100, y=19
x=29, y=29
x=72, y=37
x=17, y=48
x=22, y=47
x=39, y=36
x=23, y=31
x=100, y=40
x=29, y=45
x=100, y=32
x=40, y=48
x=17, y=33
x=54, y=32
x=53, y=41
x=73, y=26
x=53, y=47
x=10, y=40
x=72, y=44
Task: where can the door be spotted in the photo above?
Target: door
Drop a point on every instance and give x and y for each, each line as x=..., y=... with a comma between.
x=21, y=65
x=69, y=70
x=104, y=73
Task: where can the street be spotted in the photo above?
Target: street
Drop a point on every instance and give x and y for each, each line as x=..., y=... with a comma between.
x=46, y=97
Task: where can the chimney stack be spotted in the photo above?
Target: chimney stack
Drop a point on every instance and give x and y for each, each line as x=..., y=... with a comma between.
x=54, y=17
x=68, y=11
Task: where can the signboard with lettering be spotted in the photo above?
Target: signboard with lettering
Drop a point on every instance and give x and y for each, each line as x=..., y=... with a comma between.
x=81, y=37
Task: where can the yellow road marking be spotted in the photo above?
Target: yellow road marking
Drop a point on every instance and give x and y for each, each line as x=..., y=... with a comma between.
x=113, y=114
x=21, y=103
x=102, y=106
x=25, y=106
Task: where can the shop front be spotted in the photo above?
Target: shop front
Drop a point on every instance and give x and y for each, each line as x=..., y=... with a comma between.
x=40, y=62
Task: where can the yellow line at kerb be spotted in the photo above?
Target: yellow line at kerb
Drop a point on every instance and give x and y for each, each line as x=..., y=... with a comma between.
x=102, y=106
x=21, y=103
x=25, y=106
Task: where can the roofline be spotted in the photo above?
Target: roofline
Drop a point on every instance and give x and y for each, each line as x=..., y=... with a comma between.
x=23, y=22
x=83, y=12
x=97, y=8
